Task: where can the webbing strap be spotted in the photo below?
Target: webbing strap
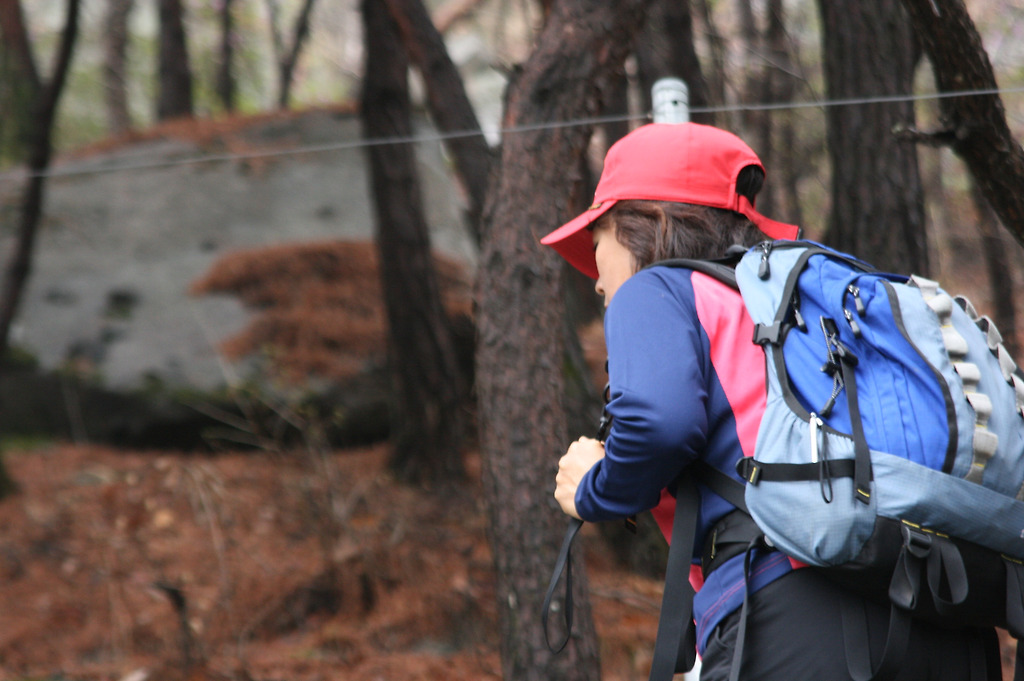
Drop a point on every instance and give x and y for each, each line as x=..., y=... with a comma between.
x=922, y=555
x=720, y=483
x=674, y=645
x=1015, y=598
x=983, y=647
x=858, y=646
x=861, y=453
x=1015, y=612
x=741, y=631
x=755, y=472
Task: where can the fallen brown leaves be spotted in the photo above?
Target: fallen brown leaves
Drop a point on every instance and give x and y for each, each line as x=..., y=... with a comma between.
x=289, y=567
x=319, y=310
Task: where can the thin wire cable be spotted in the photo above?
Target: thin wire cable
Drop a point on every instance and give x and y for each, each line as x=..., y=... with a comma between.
x=550, y=125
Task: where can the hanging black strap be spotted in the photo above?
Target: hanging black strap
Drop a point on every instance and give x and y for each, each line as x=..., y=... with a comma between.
x=562, y=564
x=858, y=647
x=861, y=453
x=924, y=558
x=1014, y=598
x=946, y=575
x=1015, y=612
x=983, y=646
x=753, y=539
x=736, y=668
x=675, y=644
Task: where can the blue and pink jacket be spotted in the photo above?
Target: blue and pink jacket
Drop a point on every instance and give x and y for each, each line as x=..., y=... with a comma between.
x=687, y=383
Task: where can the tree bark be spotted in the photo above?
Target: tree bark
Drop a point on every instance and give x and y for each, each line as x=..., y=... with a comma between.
x=452, y=11
x=427, y=387
x=717, y=79
x=974, y=126
x=1000, y=270
x=665, y=48
x=115, y=81
x=40, y=147
x=174, y=81
x=17, y=43
x=449, y=105
x=19, y=81
x=521, y=346
x=781, y=199
x=287, y=61
x=877, y=200
x=225, y=67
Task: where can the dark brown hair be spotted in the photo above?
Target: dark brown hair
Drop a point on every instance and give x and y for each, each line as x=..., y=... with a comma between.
x=658, y=230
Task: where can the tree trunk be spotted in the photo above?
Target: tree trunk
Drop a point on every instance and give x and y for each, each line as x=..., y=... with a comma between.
x=763, y=88
x=521, y=345
x=43, y=98
x=716, y=79
x=974, y=126
x=40, y=147
x=17, y=43
x=759, y=86
x=225, y=67
x=665, y=48
x=19, y=82
x=781, y=199
x=274, y=25
x=174, y=80
x=449, y=105
x=115, y=81
x=287, y=62
x=877, y=200
x=1000, y=270
x=751, y=56
x=427, y=387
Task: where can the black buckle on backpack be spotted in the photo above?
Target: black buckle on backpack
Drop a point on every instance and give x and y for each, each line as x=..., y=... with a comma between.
x=917, y=542
x=767, y=334
x=748, y=470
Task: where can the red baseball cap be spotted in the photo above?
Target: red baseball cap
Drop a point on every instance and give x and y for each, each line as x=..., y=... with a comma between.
x=679, y=162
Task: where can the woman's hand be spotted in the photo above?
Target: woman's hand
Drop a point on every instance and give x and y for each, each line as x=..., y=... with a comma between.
x=579, y=458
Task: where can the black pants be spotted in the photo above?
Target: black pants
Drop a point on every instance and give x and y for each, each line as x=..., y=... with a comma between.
x=795, y=633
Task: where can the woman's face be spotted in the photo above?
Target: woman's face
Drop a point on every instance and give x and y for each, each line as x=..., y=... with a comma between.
x=614, y=261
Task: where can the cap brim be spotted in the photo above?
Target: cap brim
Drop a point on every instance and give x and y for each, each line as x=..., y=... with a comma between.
x=573, y=242
x=772, y=228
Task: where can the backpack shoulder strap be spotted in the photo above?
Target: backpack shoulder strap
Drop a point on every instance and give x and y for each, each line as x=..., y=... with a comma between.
x=720, y=483
x=675, y=643
x=716, y=269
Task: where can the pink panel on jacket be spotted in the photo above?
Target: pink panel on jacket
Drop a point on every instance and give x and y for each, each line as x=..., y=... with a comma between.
x=738, y=362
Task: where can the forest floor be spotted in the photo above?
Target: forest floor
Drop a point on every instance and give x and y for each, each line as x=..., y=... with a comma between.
x=278, y=566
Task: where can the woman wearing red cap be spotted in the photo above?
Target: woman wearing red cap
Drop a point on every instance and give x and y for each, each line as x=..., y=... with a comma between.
x=687, y=383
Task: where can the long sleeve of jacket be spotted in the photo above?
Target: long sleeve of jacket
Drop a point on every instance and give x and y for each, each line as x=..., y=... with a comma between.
x=658, y=371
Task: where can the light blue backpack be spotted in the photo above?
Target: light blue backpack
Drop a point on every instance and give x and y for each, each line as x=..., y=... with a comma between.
x=891, y=451
x=887, y=399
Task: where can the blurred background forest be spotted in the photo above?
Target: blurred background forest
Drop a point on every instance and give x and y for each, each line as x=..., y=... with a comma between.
x=277, y=398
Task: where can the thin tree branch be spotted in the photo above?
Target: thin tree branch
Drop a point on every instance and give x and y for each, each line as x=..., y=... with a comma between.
x=977, y=129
